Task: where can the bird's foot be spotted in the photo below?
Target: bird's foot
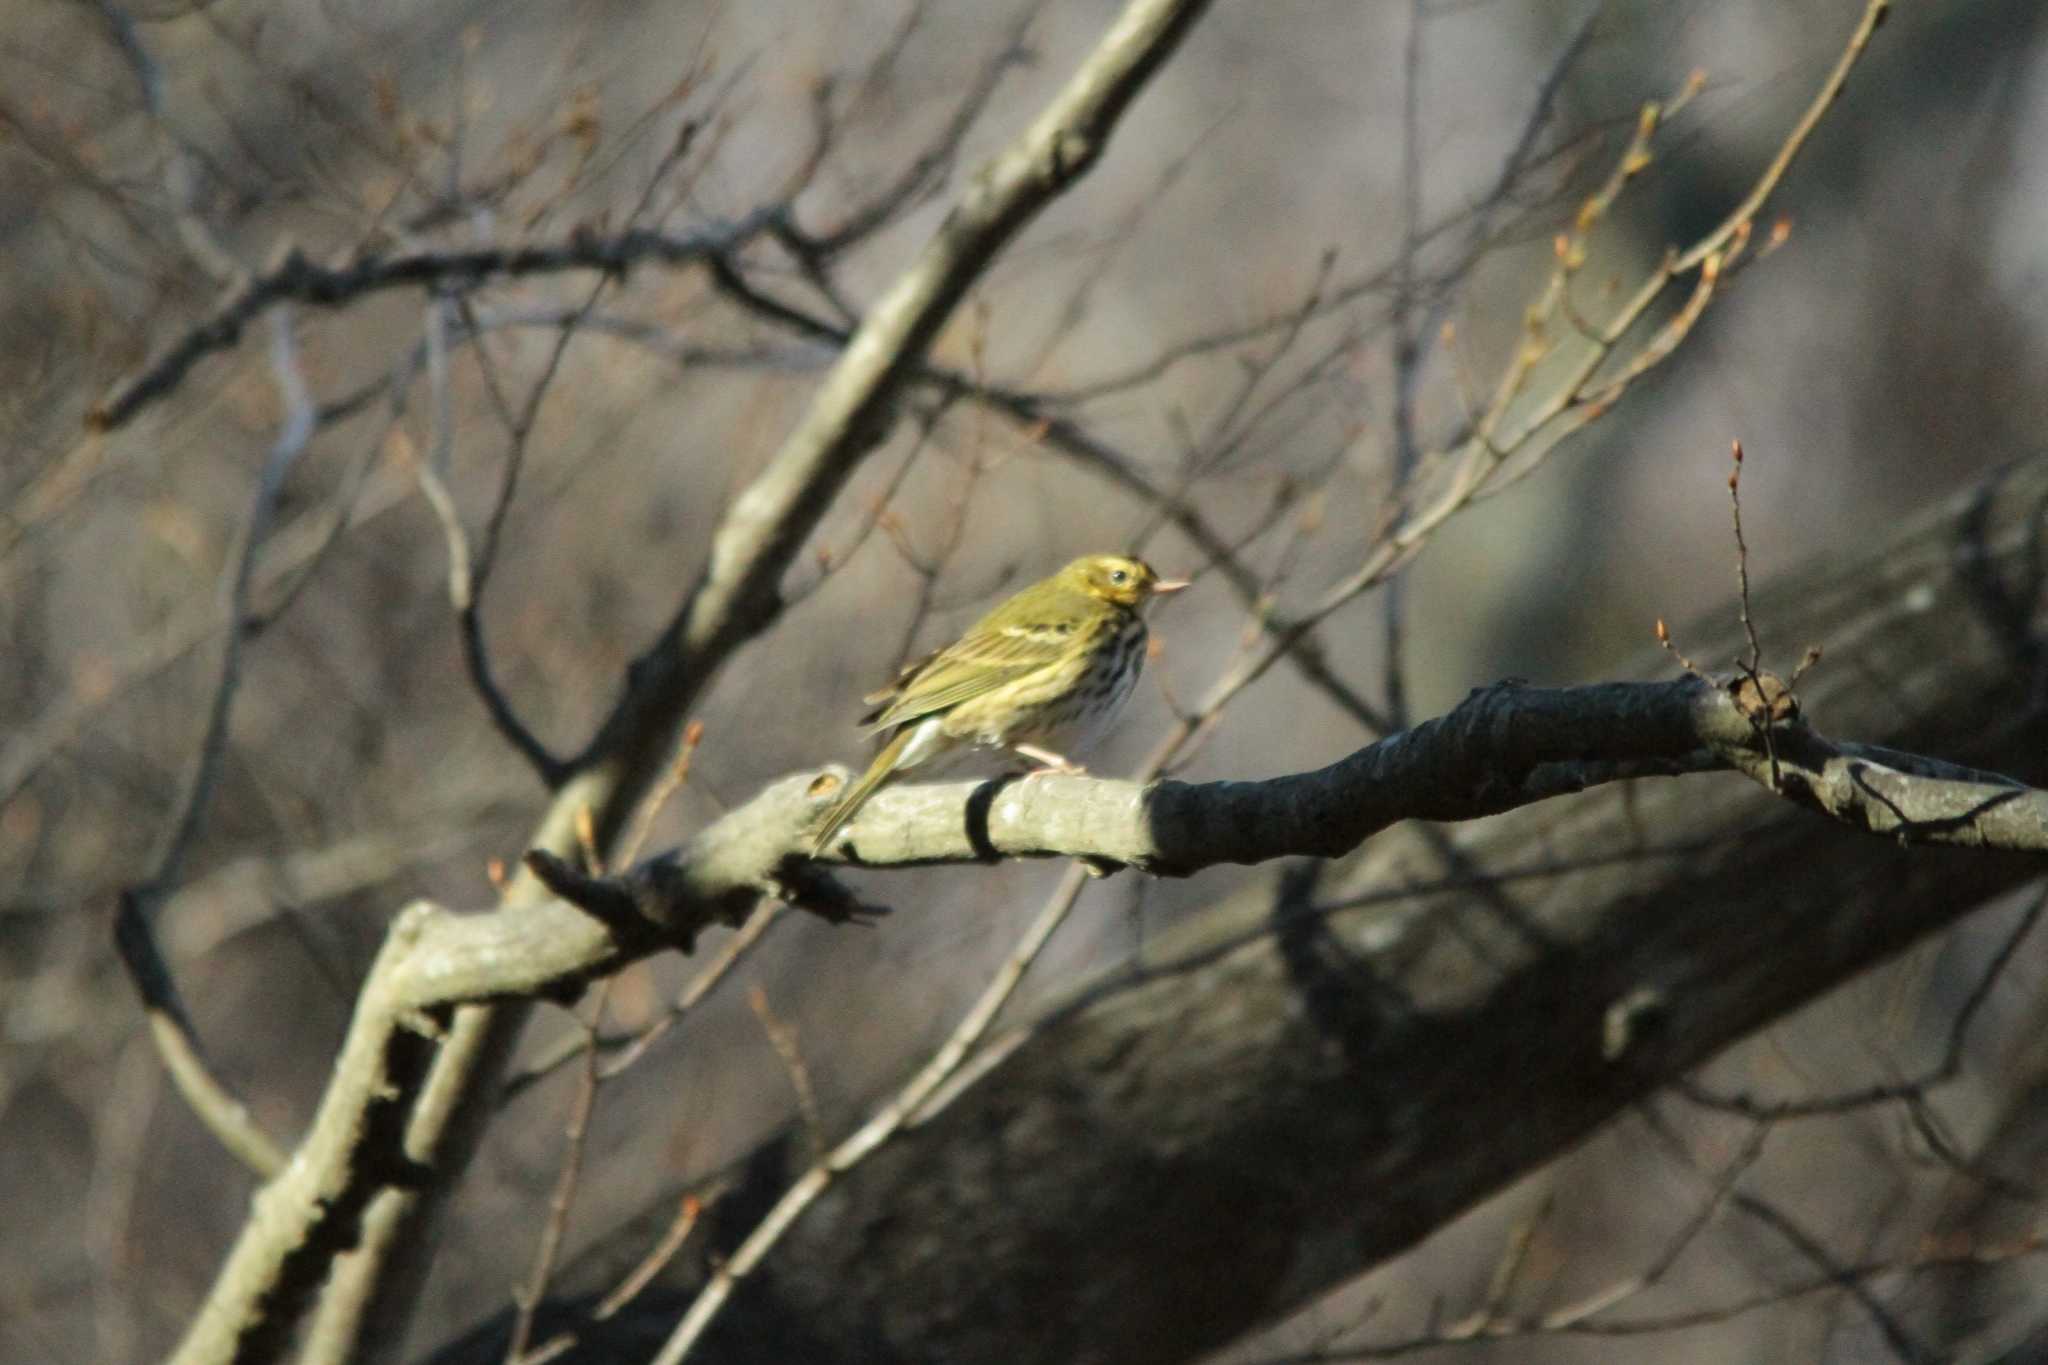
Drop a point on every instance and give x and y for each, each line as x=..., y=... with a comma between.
x=1049, y=763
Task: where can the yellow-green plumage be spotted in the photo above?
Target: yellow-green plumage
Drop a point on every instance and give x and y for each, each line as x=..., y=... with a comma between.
x=1052, y=662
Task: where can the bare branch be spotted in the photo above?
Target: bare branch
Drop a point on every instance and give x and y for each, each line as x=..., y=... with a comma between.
x=921, y=176
x=181, y=159
x=469, y=570
x=170, y=1025
x=1912, y=1091
x=624, y=1053
x=782, y=1036
x=177, y=1043
x=529, y=1296
x=1771, y=1216
x=1874, y=13
x=1503, y=747
x=1585, y=1317
x=295, y=278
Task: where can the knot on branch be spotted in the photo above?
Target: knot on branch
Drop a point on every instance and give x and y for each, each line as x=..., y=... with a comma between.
x=1764, y=698
x=667, y=901
x=804, y=885
x=1068, y=155
x=618, y=903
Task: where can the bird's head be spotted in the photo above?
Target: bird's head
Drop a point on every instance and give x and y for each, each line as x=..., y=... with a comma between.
x=1115, y=578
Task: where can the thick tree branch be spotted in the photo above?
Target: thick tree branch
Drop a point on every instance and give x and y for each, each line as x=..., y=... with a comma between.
x=1503, y=747
x=1298, y=1088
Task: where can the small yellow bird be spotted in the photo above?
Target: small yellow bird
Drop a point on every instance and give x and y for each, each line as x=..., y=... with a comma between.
x=1045, y=670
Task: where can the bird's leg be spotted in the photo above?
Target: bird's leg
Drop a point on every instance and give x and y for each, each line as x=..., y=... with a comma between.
x=1048, y=761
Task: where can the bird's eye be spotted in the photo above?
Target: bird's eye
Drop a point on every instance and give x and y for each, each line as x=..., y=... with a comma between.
x=1119, y=577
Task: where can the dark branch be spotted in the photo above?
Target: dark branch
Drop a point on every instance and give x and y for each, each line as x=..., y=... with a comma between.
x=296, y=278
x=1505, y=746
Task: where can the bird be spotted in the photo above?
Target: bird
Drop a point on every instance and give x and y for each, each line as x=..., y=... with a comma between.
x=1045, y=670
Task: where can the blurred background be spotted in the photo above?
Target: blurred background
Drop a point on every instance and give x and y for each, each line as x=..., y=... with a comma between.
x=1310, y=192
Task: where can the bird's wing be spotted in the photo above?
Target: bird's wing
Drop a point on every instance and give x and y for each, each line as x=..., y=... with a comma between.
x=983, y=660
x=890, y=690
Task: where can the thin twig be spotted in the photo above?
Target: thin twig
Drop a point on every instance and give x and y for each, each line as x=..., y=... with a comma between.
x=170, y=1023
x=1579, y=1318
x=1514, y=1257
x=782, y=1037
x=528, y=1298
x=1580, y=1315
x=927, y=170
x=1754, y=659
x=292, y=549
x=181, y=173
x=466, y=568
x=1902, y=1342
x=1477, y=466
x=1913, y=1091
x=660, y=795
x=729, y=954
x=688, y=1211
x=1408, y=351
x=622, y=1056
x=292, y=439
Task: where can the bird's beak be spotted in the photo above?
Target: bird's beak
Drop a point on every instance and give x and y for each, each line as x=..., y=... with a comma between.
x=1164, y=586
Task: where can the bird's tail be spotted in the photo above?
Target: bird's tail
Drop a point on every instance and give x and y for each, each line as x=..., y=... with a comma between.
x=879, y=771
